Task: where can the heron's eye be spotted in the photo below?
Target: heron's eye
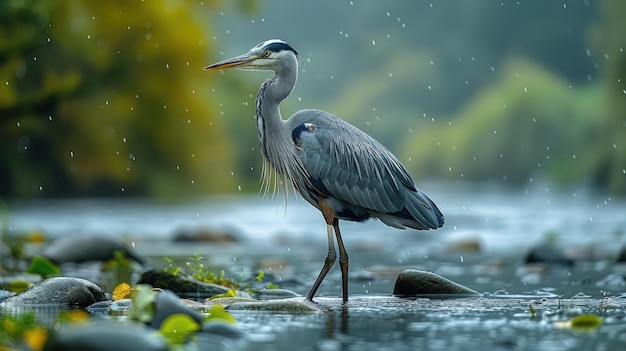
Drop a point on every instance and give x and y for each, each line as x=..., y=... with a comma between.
x=267, y=53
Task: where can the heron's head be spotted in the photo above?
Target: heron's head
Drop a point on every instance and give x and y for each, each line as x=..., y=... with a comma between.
x=267, y=56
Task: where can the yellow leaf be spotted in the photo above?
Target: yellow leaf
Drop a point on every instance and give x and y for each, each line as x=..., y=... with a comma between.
x=35, y=338
x=77, y=316
x=121, y=291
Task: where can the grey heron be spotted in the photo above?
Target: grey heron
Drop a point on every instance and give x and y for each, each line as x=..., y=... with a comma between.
x=334, y=166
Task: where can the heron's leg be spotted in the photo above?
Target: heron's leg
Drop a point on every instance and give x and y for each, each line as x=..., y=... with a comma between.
x=343, y=260
x=328, y=263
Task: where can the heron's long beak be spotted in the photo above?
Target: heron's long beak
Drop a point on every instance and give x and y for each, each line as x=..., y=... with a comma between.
x=236, y=62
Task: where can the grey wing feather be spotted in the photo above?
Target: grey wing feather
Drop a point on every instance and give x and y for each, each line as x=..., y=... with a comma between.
x=356, y=168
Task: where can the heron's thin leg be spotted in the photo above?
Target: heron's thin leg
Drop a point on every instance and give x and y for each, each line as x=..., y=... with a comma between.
x=343, y=260
x=328, y=263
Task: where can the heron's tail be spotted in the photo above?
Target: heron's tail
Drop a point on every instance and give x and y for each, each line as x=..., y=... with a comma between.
x=419, y=212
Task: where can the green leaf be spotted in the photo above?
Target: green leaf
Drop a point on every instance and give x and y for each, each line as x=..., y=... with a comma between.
x=229, y=293
x=17, y=286
x=586, y=321
x=143, y=299
x=217, y=312
x=259, y=277
x=178, y=327
x=44, y=267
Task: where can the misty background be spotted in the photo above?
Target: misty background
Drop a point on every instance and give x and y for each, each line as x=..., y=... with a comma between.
x=111, y=99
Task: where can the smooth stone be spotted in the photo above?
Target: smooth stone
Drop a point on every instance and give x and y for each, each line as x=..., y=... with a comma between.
x=4, y=294
x=105, y=335
x=274, y=294
x=123, y=305
x=59, y=290
x=413, y=282
x=622, y=256
x=546, y=254
x=285, y=306
x=204, y=235
x=85, y=249
x=181, y=285
x=99, y=307
x=226, y=301
x=166, y=304
x=221, y=328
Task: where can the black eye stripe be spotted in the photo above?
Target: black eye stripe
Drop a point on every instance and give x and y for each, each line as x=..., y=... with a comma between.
x=277, y=47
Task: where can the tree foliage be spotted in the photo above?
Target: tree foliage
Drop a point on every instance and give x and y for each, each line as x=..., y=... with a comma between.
x=107, y=98
x=528, y=124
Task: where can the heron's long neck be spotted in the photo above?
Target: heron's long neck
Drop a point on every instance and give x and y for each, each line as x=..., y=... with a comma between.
x=274, y=136
x=270, y=125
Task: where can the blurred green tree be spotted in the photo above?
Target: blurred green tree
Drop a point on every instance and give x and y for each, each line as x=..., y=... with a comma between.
x=528, y=124
x=609, y=40
x=108, y=98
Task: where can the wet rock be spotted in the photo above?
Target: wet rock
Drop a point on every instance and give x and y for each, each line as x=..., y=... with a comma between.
x=221, y=328
x=274, y=294
x=167, y=304
x=466, y=245
x=59, y=290
x=287, y=306
x=181, y=285
x=413, y=282
x=285, y=281
x=4, y=294
x=86, y=248
x=547, y=254
x=612, y=281
x=290, y=305
x=204, y=235
x=622, y=256
x=100, y=307
x=226, y=301
x=106, y=335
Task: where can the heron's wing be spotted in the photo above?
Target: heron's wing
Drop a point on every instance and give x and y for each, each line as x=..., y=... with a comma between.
x=347, y=164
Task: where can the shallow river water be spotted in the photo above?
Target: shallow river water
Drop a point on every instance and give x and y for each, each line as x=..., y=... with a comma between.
x=487, y=234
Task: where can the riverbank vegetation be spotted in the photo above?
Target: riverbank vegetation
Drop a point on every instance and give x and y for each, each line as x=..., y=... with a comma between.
x=111, y=100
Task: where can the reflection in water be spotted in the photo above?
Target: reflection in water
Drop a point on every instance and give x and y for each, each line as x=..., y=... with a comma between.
x=341, y=316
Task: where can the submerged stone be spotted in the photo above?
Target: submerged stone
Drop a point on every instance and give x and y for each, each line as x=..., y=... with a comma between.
x=167, y=304
x=204, y=235
x=59, y=290
x=622, y=256
x=413, y=282
x=285, y=305
x=547, y=254
x=106, y=335
x=221, y=328
x=274, y=294
x=181, y=285
x=85, y=249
